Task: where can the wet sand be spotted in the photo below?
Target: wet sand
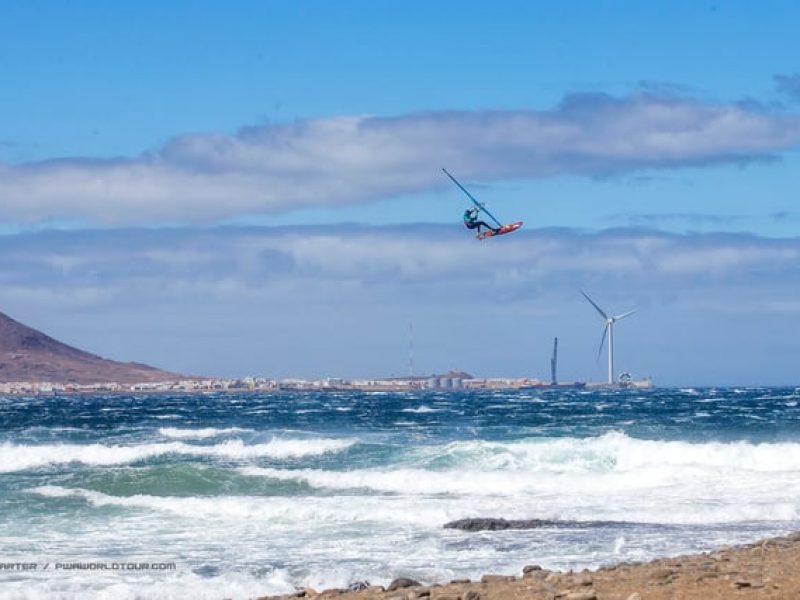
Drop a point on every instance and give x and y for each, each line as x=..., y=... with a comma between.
x=765, y=569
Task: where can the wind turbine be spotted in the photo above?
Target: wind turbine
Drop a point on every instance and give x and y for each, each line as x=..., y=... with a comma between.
x=609, y=329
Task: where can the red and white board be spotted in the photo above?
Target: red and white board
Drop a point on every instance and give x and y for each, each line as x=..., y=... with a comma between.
x=503, y=230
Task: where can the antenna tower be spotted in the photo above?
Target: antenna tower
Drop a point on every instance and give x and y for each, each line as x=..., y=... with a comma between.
x=411, y=349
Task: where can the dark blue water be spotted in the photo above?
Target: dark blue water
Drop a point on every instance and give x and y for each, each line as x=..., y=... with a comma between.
x=702, y=414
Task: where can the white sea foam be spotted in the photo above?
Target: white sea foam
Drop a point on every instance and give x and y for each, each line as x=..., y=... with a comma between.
x=612, y=452
x=421, y=409
x=274, y=511
x=19, y=457
x=396, y=519
x=404, y=481
x=601, y=478
x=172, y=585
x=199, y=434
x=674, y=498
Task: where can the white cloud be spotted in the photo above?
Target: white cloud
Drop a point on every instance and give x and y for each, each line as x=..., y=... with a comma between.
x=336, y=301
x=229, y=260
x=352, y=159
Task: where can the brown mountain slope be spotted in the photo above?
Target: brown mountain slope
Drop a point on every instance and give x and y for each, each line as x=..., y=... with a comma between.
x=29, y=355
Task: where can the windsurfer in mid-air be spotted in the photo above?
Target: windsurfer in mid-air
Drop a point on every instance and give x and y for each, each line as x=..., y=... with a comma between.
x=471, y=221
x=471, y=216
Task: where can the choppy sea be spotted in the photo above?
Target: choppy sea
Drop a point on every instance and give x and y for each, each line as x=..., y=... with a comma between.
x=255, y=494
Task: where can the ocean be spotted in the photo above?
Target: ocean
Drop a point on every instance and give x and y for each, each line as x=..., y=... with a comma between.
x=242, y=495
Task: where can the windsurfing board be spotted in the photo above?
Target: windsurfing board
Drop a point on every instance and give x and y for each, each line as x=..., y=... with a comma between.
x=502, y=231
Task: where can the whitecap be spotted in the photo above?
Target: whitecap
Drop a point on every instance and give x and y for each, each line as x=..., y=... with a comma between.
x=199, y=434
x=19, y=457
x=421, y=409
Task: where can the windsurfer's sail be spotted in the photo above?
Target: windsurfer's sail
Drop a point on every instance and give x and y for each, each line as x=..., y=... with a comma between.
x=501, y=229
x=479, y=206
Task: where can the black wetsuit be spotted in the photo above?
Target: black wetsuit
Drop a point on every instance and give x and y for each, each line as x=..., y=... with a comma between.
x=471, y=221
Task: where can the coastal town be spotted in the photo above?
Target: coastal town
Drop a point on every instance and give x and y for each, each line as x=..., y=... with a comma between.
x=328, y=384
x=33, y=363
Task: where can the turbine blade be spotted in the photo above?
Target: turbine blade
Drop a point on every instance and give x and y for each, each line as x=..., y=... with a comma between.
x=602, y=341
x=600, y=310
x=623, y=315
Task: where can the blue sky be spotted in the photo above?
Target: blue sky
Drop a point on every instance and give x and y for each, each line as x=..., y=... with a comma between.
x=138, y=130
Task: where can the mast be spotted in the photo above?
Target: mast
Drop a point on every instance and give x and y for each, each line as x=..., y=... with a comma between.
x=554, y=363
x=478, y=205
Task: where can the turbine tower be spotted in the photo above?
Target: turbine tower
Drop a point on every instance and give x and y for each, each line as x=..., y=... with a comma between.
x=609, y=330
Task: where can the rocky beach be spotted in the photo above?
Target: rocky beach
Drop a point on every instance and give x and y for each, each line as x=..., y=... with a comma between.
x=768, y=568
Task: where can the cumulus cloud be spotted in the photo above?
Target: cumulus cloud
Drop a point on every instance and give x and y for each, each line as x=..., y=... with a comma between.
x=312, y=301
x=354, y=159
x=383, y=262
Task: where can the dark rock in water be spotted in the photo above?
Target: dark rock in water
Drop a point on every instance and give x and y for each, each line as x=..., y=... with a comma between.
x=499, y=524
x=402, y=582
x=357, y=586
x=207, y=571
x=491, y=524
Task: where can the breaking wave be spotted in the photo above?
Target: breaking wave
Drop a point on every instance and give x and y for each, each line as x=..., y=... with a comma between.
x=20, y=457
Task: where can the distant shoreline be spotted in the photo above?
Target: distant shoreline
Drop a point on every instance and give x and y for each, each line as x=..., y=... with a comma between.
x=251, y=384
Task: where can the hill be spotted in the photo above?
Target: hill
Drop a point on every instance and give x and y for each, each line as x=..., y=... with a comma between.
x=29, y=355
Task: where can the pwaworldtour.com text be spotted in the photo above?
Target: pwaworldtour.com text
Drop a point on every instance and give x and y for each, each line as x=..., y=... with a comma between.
x=88, y=566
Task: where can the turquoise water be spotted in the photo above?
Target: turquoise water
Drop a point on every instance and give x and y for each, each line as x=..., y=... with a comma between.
x=255, y=494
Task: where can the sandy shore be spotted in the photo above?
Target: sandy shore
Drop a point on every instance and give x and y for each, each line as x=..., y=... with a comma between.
x=765, y=569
